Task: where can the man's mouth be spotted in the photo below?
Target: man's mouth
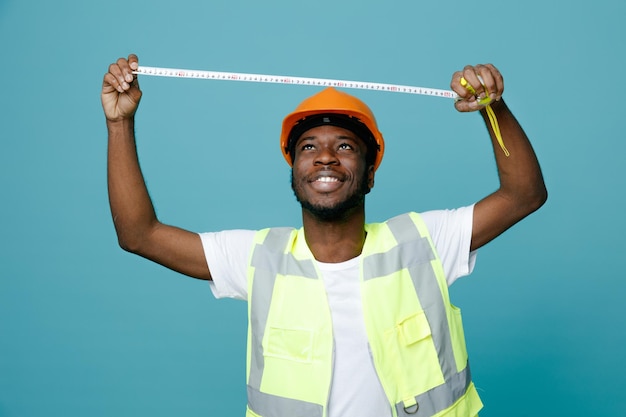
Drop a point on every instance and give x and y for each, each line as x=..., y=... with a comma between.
x=327, y=179
x=326, y=176
x=325, y=183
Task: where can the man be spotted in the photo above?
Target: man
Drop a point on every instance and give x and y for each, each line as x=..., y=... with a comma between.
x=345, y=318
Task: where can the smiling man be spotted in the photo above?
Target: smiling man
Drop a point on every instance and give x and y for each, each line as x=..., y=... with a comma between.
x=346, y=318
x=338, y=152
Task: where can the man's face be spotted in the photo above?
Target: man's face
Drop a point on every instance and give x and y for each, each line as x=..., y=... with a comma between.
x=329, y=175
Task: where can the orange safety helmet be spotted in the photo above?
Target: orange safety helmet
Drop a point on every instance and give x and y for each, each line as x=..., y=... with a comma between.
x=332, y=101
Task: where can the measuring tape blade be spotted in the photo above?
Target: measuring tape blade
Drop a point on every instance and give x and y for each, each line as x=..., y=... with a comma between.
x=284, y=79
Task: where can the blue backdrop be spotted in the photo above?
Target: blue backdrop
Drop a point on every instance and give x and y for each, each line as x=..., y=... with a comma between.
x=89, y=330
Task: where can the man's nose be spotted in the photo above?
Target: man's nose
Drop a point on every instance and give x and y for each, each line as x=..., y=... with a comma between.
x=326, y=156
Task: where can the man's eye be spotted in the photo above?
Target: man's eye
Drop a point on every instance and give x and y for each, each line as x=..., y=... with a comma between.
x=307, y=147
x=345, y=146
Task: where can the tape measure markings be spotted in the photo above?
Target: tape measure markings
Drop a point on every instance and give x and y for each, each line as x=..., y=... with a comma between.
x=282, y=79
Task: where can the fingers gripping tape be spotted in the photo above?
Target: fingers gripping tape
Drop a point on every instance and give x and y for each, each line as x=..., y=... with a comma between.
x=490, y=113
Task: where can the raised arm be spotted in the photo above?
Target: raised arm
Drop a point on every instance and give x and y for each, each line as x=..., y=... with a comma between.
x=522, y=189
x=138, y=229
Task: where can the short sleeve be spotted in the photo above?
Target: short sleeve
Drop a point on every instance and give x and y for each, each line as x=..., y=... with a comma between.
x=451, y=232
x=227, y=254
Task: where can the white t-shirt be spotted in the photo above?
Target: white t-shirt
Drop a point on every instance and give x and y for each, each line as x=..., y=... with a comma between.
x=356, y=390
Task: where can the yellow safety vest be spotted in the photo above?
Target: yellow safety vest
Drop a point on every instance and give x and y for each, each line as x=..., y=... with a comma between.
x=414, y=332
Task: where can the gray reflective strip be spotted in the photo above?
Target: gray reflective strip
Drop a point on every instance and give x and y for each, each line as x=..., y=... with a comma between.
x=267, y=405
x=416, y=252
x=265, y=260
x=439, y=398
x=429, y=294
x=269, y=260
x=427, y=289
x=270, y=256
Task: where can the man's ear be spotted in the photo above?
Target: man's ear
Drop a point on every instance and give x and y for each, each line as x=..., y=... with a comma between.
x=370, y=176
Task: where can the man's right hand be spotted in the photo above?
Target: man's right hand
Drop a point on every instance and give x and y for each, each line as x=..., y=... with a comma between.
x=120, y=89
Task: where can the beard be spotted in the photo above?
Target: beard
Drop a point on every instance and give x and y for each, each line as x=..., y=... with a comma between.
x=339, y=210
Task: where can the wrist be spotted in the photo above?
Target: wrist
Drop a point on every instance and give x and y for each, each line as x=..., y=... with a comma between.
x=123, y=126
x=497, y=105
x=120, y=123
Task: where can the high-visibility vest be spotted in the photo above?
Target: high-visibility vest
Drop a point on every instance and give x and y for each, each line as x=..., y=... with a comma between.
x=415, y=334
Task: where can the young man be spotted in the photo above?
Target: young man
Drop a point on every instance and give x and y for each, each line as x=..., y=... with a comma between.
x=345, y=318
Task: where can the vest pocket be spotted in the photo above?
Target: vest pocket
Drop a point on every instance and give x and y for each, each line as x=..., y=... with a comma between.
x=412, y=355
x=414, y=328
x=291, y=344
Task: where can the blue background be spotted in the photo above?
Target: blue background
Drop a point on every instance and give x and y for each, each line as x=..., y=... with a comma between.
x=89, y=330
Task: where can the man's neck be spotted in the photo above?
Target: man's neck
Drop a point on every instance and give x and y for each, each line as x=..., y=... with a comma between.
x=334, y=241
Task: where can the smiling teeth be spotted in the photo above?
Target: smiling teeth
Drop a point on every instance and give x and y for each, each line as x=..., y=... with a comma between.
x=327, y=179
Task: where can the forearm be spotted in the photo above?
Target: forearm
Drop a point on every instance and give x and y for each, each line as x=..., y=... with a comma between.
x=131, y=207
x=522, y=189
x=520, y=175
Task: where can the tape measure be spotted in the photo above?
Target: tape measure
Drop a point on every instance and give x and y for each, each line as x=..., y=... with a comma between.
x=320, y=82
x=285, y=79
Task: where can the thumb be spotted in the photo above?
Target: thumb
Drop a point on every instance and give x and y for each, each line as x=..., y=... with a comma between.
x=468, y=105
x=134, y=91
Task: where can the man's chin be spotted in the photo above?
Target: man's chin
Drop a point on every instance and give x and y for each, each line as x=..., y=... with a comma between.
x=335, y=212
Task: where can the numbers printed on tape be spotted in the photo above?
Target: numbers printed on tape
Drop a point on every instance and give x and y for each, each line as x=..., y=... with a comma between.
x=282, y=79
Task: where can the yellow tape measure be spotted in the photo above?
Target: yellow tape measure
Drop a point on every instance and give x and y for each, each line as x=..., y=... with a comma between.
x=490, y=113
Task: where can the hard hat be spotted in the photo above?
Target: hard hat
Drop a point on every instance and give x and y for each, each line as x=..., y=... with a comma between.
x=341, y=109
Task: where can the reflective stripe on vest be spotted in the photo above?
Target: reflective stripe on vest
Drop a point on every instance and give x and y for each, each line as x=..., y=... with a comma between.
x=415, y=247
x=268, y=260
x=410, y=251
